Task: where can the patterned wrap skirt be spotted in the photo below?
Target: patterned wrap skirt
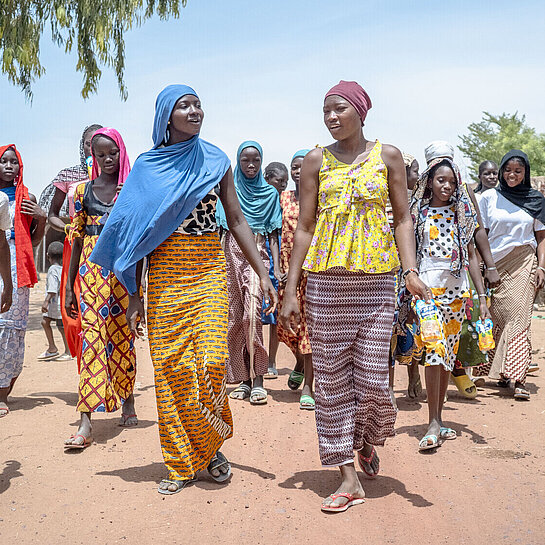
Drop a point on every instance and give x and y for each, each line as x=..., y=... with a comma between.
x=187, y=329
x=350, y=316
x=511, y=309
x=108, y=357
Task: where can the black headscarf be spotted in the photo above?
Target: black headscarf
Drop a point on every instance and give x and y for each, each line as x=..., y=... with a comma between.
x=522, y=195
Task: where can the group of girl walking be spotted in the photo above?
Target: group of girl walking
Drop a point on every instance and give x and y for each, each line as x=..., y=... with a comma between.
x=335, y=265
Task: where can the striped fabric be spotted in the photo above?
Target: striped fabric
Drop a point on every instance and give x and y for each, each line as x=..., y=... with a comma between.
x=350, y=318
x=187, y=328
x=511, y=311
x=247, y=354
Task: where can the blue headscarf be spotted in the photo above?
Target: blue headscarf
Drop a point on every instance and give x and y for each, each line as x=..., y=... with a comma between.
x=259, y=201
x=300, y=153
x=164, y=186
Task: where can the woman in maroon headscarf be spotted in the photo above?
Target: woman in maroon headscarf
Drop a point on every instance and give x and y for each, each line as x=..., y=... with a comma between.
x=351, y=259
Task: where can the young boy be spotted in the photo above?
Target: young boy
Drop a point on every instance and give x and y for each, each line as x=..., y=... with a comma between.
x=51, y=308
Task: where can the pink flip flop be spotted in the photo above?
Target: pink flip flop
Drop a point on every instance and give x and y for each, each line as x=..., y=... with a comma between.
x=86, y=442
x=341, y=508
x=366, y=461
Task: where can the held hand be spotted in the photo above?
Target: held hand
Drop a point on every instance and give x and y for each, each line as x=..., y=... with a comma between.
x=135, y=315
x=281, y=276
x=7, y=294
x=484, y=310
x=269, y=293
x=71, y=303
x=32, y=209
x=290, y=315
x=492, y=279
x=539, y=279
x=417, y=287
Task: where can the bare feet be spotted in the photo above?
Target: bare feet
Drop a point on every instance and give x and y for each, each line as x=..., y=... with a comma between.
x=350, y=485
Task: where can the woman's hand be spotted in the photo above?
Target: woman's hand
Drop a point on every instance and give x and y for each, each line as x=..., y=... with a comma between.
x=135, y=315
x=281, y=276
x=484, y=310
x=539, y=279
x=71, y=303
x=7, y=293
x=290, y=314
x=269, y=293
x=417, y=287
x=492, y=279
x=33, y=209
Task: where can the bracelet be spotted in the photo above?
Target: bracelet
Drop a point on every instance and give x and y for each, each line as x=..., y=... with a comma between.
x=541, y=269
x=482, y=294
x=491, y=268
x=405, y=273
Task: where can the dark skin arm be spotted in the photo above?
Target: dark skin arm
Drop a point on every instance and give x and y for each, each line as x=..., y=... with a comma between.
x=5, y=273
x=56, y=222
x=540, y=275
x=70, y=301
x=480, y=235
x=475, y=273
x=239, y=228
x=37, y=227
x=275, y=252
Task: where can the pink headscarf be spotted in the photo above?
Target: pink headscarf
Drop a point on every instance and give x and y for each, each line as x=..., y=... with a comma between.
x=124, y=165
x=355, y=94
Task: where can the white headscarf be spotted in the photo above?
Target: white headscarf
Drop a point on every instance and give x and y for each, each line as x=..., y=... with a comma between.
x=439, y=148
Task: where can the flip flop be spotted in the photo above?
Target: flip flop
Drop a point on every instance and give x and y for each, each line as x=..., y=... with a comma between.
x=341, y=508
x=86, y=442
x=258, y=396
x=464, y=383
x=504, y=382
x=448, y=433
x=4, y=411
x=48, y=355
x=295, y=380
x=243, y=389
x=124, y=418
x=307, y=403
x=365, y=462
x=217, y=461
x=424, y=445
x=180, y=485
x=272, y=372
x=521, y=393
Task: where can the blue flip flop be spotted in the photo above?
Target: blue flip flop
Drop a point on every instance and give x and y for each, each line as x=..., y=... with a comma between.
x=424, y=445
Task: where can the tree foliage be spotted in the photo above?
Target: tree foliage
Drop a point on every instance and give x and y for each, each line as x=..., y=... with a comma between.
x=94, y=28
x=495, y=135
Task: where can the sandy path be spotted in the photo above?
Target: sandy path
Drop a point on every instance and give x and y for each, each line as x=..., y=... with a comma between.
x=488, y=485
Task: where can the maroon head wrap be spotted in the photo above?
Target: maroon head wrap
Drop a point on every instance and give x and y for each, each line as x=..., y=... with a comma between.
x=355, y=94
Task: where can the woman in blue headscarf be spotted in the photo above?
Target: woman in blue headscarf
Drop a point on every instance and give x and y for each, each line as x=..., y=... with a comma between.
x=166, y=211
x=248, y=359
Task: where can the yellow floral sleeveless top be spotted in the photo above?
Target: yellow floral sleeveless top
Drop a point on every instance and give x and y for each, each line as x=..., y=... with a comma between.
x=352, y=230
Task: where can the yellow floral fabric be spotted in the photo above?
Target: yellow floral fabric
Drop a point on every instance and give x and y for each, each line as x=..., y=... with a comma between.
x=352, y=230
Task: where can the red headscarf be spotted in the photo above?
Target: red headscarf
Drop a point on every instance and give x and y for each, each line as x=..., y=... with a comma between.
x=24, y=255
x=124, y=165
x=355, y=94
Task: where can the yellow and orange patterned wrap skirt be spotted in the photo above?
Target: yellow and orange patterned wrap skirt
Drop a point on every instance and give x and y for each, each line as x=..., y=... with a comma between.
x=187, y=327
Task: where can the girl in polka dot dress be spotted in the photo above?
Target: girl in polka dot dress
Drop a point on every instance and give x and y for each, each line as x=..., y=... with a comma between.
x=444, y=223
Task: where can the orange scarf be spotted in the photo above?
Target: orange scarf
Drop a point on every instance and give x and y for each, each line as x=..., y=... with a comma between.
x=24, y=255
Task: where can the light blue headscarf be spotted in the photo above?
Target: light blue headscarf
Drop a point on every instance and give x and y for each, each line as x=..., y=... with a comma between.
x=300, y=153
x=259, y=201
x=164, y=186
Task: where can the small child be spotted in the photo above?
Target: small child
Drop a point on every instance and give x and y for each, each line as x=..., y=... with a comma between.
x=444, y=223
x=276, y=175
x=51, y=308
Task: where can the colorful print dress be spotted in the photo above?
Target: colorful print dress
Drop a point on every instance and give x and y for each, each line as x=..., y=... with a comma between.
x=108, y=359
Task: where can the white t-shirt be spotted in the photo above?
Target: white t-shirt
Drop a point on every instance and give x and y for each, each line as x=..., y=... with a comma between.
x=5, y=221
x=509, y=225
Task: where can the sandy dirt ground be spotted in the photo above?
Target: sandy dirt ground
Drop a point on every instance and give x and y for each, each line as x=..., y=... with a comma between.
x=486, y=486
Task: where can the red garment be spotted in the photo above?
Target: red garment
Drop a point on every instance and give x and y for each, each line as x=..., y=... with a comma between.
x=355, y=94
x=24, y=254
